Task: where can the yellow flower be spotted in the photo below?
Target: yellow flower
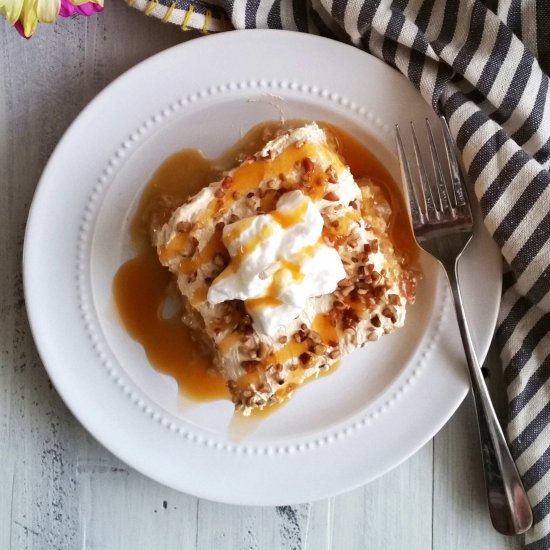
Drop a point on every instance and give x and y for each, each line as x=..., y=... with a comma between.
x=11, y=9
x=31, y=12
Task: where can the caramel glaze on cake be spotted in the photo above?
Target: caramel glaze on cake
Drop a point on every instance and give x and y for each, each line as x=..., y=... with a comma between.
x=260, y=370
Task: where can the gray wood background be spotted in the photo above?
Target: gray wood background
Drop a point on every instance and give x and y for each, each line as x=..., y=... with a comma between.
x=58, y=487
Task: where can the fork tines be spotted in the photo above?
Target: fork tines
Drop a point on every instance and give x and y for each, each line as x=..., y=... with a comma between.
x=437, y=200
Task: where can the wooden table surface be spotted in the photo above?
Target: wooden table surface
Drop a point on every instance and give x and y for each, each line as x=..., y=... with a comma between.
x=58, y=487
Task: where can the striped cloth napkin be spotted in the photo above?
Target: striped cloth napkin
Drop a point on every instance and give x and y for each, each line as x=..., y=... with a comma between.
x=484, y=65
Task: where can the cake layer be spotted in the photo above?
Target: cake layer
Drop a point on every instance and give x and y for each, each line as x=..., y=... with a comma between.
x=263, y=350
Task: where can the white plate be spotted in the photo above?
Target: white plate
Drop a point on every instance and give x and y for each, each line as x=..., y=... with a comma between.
x=337, y=433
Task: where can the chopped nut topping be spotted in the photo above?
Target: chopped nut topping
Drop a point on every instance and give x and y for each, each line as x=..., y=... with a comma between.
x=305, y=358
x=250, y=365
x=308, y=165
x=331, y=174
x=394, y=299
x=227, y=182
x=315, y=337
x=244, y=349
x=184, y=227
x=300, y=336
x=328, y=240
x=331, y=196
x=370, y=302
x=339, y=305
x=347, y=291
x=283, y=340
x=338, y=295
x=375, y=321
x=320, y=349
x=350, y=319
x=388, y=312
x=219, y=260
x=191, y=248
x=263, y=350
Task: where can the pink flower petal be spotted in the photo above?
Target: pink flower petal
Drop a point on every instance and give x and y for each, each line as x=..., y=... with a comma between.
x=67, y=8
x=19, y=28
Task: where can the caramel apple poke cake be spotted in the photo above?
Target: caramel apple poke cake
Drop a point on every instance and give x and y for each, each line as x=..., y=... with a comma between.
x=284, y=266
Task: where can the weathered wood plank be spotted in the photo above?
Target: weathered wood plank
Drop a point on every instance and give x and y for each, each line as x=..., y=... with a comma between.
x=46, y=81
x=393, y=512
x=252, y=528
x=461, y=516
x=119, y=508
x=38, y=436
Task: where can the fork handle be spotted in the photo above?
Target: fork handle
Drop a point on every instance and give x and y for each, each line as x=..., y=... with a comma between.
x=508, y=503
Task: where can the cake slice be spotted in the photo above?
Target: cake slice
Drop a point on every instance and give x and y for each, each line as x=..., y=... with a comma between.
x=285, y=266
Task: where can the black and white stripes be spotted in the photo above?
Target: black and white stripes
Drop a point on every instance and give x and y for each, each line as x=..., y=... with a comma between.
x=483, y=65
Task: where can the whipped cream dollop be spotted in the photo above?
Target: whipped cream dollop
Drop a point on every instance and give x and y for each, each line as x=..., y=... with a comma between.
x=278, y=262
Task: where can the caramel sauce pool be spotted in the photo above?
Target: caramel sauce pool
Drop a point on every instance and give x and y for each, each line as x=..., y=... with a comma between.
x=142, y=285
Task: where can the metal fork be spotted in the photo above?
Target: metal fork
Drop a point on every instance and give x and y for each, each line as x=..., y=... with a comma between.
x=443, y=226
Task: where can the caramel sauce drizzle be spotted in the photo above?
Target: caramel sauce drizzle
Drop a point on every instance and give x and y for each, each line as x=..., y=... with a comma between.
x=288, y=219
x=293, y=268
x=244, y=180
x=140, y=288
x=142, y=285
x=236, y=261
x=265, y=301
x=329, y=334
